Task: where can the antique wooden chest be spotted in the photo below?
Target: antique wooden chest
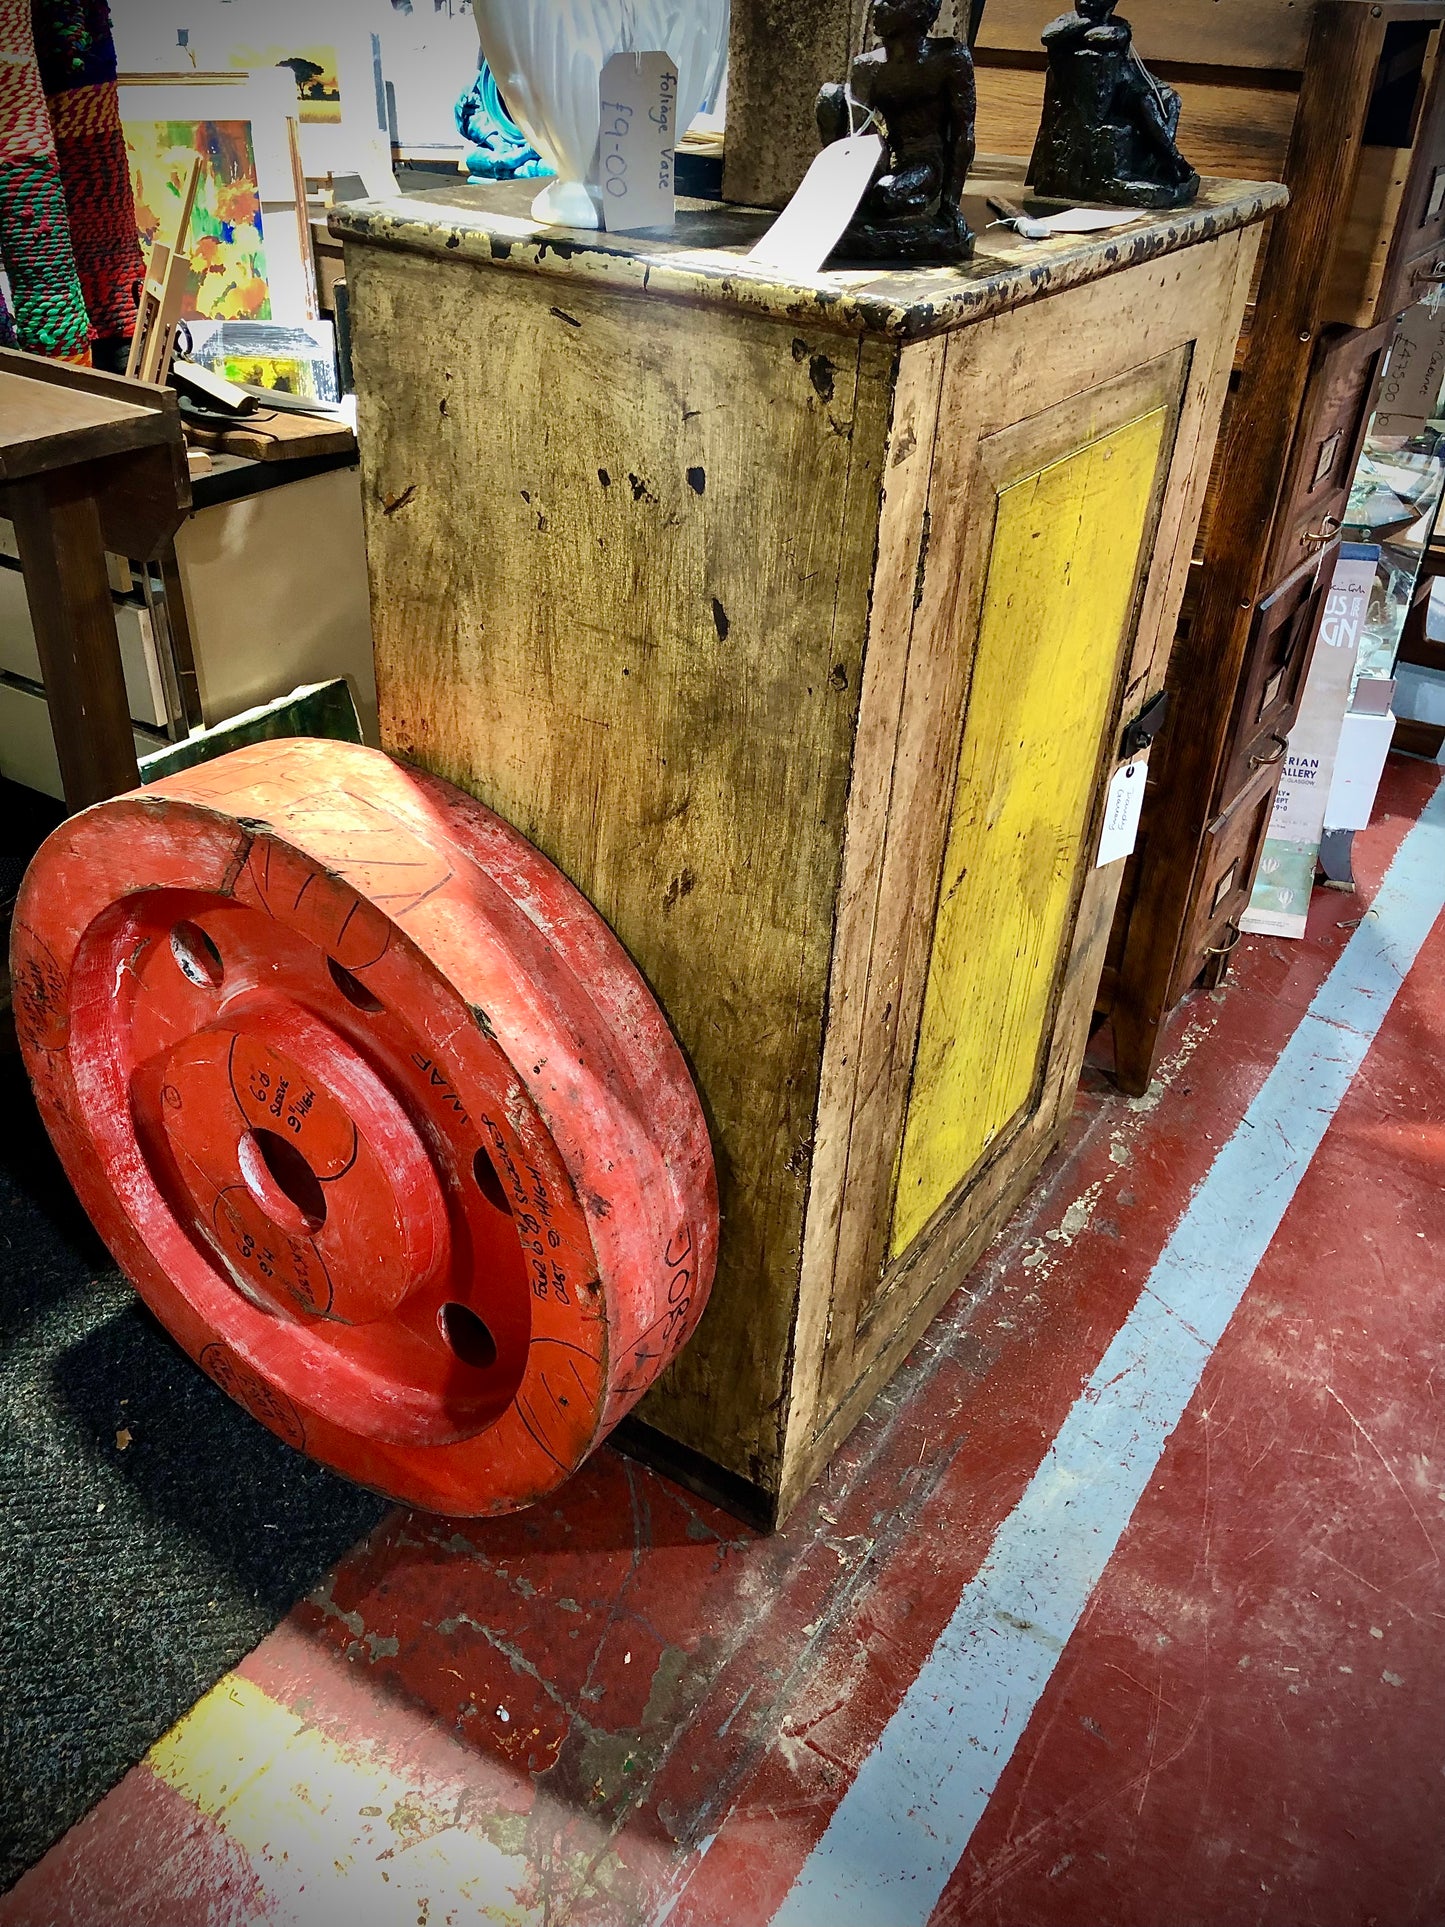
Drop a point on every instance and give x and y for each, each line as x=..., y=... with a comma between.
x=800, y=623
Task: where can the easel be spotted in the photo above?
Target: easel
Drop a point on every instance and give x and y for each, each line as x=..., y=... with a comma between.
x=159, y=309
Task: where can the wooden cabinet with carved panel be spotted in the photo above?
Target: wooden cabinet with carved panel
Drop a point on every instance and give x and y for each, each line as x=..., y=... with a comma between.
x=799, y=623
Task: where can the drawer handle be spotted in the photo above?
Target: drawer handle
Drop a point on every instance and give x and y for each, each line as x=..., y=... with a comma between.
x=1268, y=762
x=1223, y=949
x=1326, y=532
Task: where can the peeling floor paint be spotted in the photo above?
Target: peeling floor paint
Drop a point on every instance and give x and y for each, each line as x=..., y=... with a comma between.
x=623, y=1707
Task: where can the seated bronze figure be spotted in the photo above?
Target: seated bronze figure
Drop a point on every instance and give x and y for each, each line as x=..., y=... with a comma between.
x=1108, y=125
x=919, y=94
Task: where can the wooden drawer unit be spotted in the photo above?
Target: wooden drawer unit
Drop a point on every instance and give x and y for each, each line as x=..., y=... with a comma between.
x=1365, y=221
x=1395, y=221
x=1338, y=403
x=1281, y=645
x=798, y=623
x=1233, y=844
x=140, y=662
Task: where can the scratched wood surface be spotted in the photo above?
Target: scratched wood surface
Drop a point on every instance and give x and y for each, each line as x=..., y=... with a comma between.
x=606, y=606
x=633, y=577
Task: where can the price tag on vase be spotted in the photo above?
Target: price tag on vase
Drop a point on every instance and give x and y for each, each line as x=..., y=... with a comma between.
x=636, y=142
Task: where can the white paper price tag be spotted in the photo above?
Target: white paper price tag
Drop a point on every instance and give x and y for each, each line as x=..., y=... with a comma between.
x=636, y=140
x=809, y=227
x=1122, y=811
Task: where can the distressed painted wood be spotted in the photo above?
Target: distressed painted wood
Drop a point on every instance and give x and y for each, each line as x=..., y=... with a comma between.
x=687, y=584
x=1061, y=582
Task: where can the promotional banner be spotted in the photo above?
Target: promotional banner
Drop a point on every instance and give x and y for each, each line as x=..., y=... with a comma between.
x=1281, y=900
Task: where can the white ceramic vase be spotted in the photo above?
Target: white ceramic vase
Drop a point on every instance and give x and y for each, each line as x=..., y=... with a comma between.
x=548, y=56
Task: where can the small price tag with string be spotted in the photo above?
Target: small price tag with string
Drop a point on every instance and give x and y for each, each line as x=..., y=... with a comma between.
x=1122, y=810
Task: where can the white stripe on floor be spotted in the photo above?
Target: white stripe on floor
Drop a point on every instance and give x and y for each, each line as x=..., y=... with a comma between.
x=904, y=1823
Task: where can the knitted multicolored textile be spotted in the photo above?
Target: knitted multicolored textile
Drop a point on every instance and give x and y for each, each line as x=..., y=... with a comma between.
x=50, y=316
x=76, y=54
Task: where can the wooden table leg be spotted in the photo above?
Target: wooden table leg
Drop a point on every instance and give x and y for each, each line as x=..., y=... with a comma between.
x=62, y=555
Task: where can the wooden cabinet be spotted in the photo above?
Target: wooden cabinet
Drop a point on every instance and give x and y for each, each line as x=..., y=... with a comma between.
x=799, y=623
x=1366, y=90
x=1344, y=101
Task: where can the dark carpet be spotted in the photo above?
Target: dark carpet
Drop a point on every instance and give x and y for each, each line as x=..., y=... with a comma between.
x=152, y=1532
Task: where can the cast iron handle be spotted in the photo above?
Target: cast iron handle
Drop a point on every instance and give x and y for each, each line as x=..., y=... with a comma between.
x=1268, y=762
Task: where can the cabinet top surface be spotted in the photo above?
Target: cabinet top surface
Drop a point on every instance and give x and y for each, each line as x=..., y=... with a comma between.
x=46, y=423
x=705, y=258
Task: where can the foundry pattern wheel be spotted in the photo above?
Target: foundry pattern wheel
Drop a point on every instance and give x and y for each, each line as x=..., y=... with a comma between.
x=374, y=1111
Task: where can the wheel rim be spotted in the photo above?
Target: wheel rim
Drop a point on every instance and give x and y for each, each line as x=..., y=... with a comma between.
x=374, y=1111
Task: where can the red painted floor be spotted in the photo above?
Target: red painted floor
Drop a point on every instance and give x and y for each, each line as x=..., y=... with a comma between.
x=625, y=1701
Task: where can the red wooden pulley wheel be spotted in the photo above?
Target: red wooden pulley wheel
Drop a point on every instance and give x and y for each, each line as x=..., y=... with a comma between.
x=375, y=1112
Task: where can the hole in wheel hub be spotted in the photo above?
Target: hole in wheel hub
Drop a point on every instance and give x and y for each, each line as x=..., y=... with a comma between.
x=281, y=1181
x=468, y=1336
x=196, y=956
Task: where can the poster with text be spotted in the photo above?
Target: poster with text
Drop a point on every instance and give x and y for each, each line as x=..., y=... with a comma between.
x=1280, y=904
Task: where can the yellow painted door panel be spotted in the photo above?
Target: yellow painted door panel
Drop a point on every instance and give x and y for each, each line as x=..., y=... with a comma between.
x=1058, y=599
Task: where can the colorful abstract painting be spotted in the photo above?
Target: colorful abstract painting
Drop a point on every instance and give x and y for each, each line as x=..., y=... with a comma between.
x=227, y=248
x=315, y=69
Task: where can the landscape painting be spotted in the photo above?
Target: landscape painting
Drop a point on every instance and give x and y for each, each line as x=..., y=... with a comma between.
x=226, y=245
x=318, y=88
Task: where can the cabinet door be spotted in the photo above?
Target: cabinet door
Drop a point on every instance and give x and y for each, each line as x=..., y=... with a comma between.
x=966, y=1049
x=1067, y=451
x=1336, y=412
x=1281, y=643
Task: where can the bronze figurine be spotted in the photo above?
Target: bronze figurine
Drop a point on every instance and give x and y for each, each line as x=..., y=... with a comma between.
x=1108, y=125
x=919, y=93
